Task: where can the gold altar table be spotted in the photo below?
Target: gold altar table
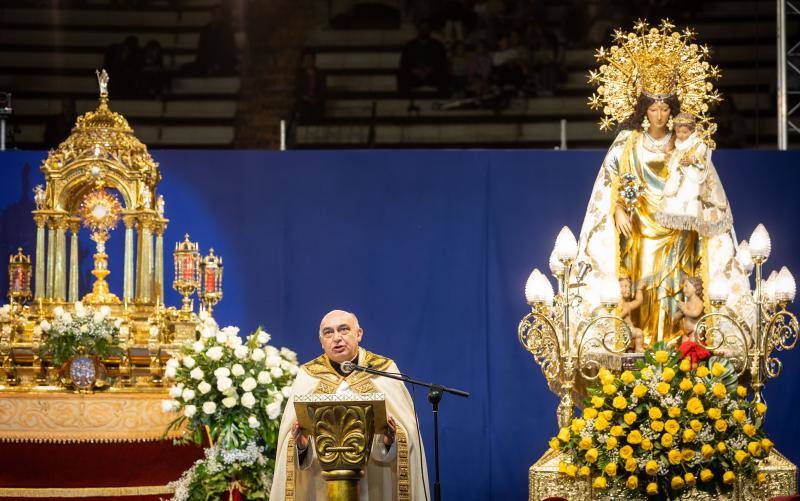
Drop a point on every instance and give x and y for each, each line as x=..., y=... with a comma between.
x=56, y=444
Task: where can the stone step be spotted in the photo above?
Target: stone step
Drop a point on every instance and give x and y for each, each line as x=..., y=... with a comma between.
x=541, y=133
x=532, y=107
x=65, y=85
x=153, y=135
x=105, y=17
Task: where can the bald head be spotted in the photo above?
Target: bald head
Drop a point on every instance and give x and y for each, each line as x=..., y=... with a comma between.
x=338, y=313
x=339, y=335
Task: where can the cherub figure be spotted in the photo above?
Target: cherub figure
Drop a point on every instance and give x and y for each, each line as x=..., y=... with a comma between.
x=39, y=196
x=690, y=310
x=631, y=301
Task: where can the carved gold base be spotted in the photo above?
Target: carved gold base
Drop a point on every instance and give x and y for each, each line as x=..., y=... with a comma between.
x=544, y=481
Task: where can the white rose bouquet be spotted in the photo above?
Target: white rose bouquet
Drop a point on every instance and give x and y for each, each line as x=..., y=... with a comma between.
x=233, y=389
x=85, y=330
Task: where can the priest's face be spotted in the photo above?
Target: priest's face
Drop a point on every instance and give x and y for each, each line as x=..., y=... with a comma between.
x=339, y=335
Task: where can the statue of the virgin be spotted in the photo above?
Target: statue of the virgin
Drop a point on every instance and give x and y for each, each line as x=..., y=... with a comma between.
x=645, y=80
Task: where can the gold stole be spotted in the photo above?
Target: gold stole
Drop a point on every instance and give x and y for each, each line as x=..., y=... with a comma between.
x=359, y=382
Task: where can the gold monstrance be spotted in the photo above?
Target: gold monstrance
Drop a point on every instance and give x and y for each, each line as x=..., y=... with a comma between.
x=100, y=214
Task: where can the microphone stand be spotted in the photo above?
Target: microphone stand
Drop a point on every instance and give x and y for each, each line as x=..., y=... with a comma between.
x=435, y=393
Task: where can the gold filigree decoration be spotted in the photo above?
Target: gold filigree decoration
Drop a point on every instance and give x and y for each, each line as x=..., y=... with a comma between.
x=84, y=492
x=341, y=435
x=658, y=62
x=723, y=331
x=538, y=334
x=67, y=417
x=781, y=332
x=321, y=368
x=604, y=333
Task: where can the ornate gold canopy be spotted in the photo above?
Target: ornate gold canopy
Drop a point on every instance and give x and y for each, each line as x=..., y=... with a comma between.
x=101, y=151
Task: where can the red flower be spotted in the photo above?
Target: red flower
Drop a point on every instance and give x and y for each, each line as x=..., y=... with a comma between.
x=694, y=352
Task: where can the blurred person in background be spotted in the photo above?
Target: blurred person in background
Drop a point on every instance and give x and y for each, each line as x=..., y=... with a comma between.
x=423, y=62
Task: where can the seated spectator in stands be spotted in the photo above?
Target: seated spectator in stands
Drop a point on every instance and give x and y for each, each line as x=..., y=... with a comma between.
x=454, y=17
x=216, y=47
x=509, y=61
x=310, y=91
x=124, y=63
x=458, y=70
x=545, y=61
x=600, y=26
x=423, y=62
x=58, y=126
x=479, y=69
x=489, y=15
x=574, y=23
x=153, y=77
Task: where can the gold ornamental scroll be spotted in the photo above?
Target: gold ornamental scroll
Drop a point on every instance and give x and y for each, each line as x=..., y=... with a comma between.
x=545, y=481
x=343, y=426
x=62, y=417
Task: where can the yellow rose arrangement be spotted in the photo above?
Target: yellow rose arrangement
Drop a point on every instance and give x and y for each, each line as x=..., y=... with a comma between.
x=665, y=428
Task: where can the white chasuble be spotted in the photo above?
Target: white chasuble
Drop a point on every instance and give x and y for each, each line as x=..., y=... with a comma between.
x=399, y=473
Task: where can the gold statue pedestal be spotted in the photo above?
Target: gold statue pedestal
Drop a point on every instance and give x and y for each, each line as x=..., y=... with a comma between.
x=343, y=426
x=545, y=481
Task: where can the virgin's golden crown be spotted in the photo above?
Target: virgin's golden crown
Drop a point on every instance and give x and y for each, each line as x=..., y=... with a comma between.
x=657, y=62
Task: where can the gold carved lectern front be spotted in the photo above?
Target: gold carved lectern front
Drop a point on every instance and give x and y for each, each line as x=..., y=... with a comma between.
x=342, y=426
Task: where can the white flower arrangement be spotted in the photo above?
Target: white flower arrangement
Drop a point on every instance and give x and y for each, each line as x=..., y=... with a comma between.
x=232, y=388
x=211, y=476
x=85, y=330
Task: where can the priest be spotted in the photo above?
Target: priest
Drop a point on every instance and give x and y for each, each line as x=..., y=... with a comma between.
x=396, y=470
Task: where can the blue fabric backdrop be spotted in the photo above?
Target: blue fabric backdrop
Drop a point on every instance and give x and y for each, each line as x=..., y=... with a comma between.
x=431, y=249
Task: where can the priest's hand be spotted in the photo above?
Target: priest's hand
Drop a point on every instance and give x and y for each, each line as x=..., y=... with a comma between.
x=388, y=438
x=622, y=221
x=299, y=439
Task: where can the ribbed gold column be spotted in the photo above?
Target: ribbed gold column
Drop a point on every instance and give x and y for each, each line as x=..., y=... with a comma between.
x=51, y=257
x=158, y=278
x=127, y=274
x=74, y=271
x=145, y=280
x=60, y=284
x=39, y=265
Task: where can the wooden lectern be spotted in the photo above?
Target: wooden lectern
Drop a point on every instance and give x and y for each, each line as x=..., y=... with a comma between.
x=342, y=426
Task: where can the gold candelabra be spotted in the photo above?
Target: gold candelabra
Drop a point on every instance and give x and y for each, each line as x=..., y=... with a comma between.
x=565, y=351
x=211, y=280
x=774, y=328
x=187, y=262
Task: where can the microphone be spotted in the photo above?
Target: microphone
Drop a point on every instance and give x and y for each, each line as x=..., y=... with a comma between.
x=348, y=367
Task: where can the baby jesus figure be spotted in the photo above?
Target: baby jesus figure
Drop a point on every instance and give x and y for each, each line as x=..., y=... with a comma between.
x=631, y=301
x=688, y=171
